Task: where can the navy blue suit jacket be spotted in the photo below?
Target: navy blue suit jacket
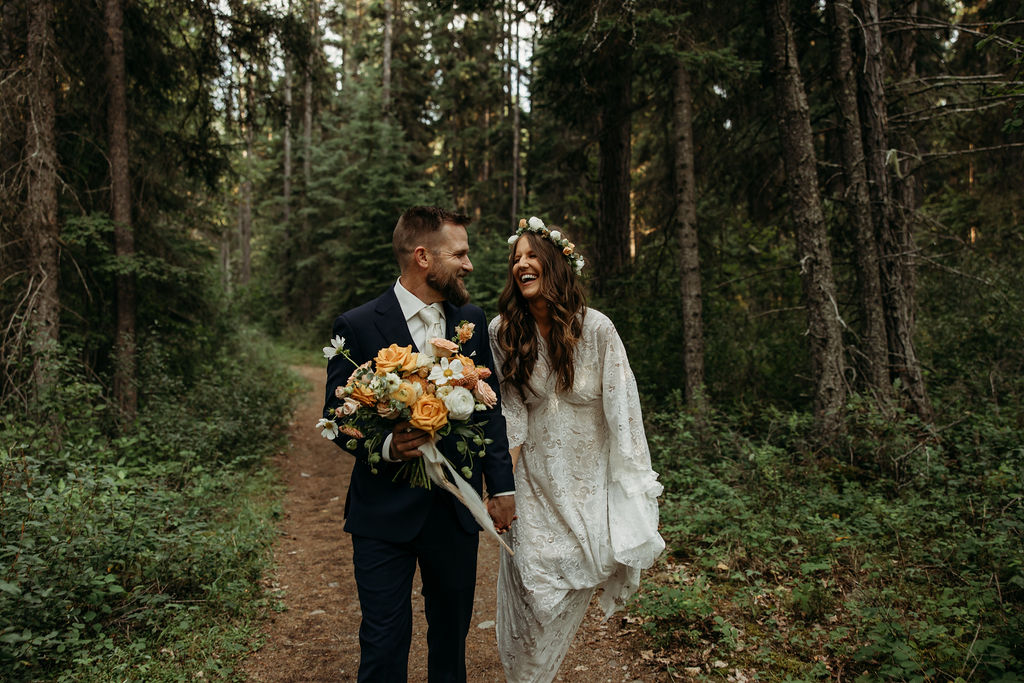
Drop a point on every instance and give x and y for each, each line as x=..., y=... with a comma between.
x=377, y=506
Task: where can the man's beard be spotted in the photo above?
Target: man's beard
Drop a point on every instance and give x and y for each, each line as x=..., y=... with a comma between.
x=449, y=285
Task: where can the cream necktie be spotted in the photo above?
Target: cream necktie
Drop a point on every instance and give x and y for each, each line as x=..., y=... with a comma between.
x=431, y=318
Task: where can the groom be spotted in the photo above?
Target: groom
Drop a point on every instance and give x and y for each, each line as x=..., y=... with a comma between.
x=395, y=526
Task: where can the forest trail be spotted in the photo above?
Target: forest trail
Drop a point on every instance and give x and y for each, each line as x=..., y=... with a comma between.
x=315, y=638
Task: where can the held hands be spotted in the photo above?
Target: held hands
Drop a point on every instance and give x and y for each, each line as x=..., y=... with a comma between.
x=406, y=440
x=502, y=510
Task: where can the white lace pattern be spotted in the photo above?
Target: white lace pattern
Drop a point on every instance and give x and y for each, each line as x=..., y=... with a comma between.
x=586, y=501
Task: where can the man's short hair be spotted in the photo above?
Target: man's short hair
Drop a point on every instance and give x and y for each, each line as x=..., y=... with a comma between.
x=420, y=225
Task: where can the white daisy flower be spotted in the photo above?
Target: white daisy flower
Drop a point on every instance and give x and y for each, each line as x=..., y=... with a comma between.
x=337, y=344
x=446, y=371
x=329, y=430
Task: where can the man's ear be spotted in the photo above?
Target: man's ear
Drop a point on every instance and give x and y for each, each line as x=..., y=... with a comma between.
x=421, y=257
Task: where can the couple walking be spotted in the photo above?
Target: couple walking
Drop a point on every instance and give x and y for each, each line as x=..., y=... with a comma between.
x=567, y=467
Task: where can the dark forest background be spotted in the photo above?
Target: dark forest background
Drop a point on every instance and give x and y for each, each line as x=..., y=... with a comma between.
x=805, y=219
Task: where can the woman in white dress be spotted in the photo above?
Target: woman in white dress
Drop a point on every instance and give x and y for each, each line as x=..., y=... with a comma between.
x=586, y=496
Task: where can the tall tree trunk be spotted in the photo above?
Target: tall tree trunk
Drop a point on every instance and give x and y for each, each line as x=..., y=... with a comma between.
x=823, y=323
x=892, y=232
x=125, y=392
x=289, y=230
x=858, y=198
x=40, y=214
x=389, y=21
x=307, y=96
x=514, y=88
x=307, y=300
x=287, y=143
x=247, y=120
x=611, y=243
x=686, y=229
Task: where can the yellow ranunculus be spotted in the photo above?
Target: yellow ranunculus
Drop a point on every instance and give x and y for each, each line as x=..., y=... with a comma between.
x=395, y=358
x=405, y=393
x=429, y=414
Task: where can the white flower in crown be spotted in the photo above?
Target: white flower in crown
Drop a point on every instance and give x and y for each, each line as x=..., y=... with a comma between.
x=536, y=226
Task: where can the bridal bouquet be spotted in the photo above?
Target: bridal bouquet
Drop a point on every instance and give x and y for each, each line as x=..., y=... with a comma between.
x=436, y=392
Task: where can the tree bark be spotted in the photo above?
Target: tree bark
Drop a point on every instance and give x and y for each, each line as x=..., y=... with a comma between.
x=891, y=229
x=611, y=243
x=245, y=191
x=389, y=21
x=858, y=199
x=286, y=190
x=287, y=143
x=823, y=322
x=125, y=392
x=514, y=88
x=306, y=301
x=40, y=216
x=686, y=229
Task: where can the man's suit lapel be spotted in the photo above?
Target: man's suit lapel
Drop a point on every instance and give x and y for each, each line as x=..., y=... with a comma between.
x=451, y=319
x=390, y=320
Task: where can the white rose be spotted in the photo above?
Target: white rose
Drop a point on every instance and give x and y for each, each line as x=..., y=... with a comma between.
x=536, y=223
x=556, y=235
x=460, y=403
x=511, y=240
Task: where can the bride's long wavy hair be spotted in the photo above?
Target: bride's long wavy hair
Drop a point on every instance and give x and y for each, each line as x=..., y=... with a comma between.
x=517, y=334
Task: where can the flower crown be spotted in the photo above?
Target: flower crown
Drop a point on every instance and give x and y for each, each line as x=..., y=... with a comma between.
x=537, y=227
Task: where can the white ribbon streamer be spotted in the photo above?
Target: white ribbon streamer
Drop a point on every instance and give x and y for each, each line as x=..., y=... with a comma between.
x=435, y=464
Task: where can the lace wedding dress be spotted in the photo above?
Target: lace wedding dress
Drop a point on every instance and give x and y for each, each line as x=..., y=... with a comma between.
x=586, y=501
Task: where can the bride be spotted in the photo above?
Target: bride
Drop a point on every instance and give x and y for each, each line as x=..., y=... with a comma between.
x=586, y=496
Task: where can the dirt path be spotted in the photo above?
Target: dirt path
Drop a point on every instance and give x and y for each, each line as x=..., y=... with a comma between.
x=315, y=637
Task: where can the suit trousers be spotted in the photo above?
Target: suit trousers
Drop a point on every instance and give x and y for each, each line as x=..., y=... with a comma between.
x=446, y=555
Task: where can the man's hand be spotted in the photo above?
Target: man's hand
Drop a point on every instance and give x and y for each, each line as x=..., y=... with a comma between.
x=406, y=440
x=502, y=510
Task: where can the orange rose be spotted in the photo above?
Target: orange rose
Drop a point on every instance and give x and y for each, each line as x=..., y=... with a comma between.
x=429, y=414
x=362, y=393
x=394, y=358
x=483, y=371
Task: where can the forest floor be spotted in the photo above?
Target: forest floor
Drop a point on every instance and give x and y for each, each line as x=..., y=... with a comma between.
x=314, y=637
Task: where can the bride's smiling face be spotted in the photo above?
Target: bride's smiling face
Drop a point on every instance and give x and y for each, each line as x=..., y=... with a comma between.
x=527, y=269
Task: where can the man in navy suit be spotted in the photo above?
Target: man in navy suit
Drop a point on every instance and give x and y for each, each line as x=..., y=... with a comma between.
x=395, y=526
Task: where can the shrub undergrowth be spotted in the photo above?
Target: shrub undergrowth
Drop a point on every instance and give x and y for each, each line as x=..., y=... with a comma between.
x=895, y=554
x=139, y=556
